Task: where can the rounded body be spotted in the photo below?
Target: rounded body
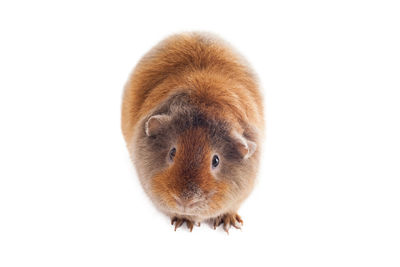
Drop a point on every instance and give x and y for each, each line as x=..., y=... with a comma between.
x=192, y=119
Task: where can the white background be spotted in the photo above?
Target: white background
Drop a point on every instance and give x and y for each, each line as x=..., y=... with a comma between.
x=328, y=191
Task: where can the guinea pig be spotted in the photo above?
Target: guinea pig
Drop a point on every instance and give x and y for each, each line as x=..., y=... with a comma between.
x=192, y=119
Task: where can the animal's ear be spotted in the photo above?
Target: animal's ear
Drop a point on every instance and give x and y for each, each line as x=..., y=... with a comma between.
x=245, y=147
x=154, y=123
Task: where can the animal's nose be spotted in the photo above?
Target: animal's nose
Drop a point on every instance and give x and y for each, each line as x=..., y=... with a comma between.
x=187, y=202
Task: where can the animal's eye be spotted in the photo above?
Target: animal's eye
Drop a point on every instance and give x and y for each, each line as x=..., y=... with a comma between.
x=172, y=153
x=215, y=161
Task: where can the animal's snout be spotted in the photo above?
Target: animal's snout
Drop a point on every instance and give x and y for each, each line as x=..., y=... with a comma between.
x=186, y=203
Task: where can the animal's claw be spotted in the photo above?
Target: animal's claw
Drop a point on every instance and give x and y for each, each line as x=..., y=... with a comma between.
x=228, y=220
x=180, y=221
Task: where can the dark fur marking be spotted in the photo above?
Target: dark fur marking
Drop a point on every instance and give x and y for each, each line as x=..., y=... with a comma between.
x=186, y=115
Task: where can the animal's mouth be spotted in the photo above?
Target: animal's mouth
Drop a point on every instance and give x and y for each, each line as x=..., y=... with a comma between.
x=189, y=210
x=188, y=205
x=193, y=207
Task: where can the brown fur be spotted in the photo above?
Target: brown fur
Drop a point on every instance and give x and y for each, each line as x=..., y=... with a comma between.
x=211, y=103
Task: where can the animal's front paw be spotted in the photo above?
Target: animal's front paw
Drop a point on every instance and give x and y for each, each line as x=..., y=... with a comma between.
x=180, y=221
x=228, y=219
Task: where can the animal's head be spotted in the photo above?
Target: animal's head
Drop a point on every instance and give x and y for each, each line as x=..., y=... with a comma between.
x=193, y=164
